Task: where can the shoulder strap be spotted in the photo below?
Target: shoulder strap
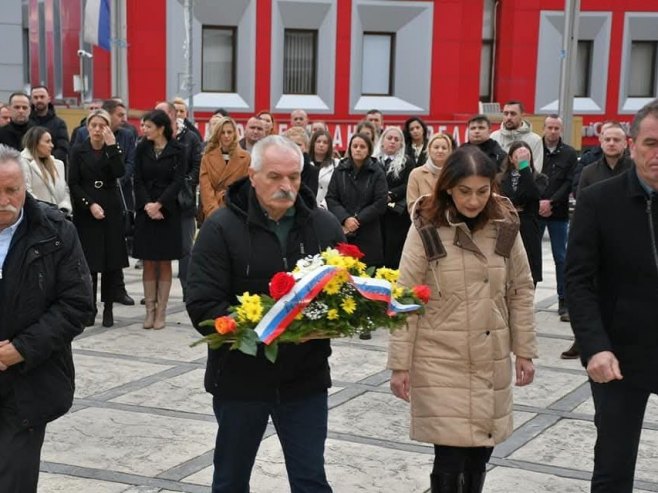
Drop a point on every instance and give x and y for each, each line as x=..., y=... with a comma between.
x=429, y=234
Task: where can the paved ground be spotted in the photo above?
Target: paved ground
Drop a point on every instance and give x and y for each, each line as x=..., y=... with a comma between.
x=141, y=421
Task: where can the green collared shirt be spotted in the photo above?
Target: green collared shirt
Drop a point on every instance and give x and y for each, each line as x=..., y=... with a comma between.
x=282, y=227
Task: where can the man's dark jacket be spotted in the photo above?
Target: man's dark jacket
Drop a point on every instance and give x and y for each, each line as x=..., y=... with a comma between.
x=12, y=134
x=599, y=171
x=237, y=252
x=492, y=149
x=57, y=130
x=612, y=276
x=193, y=151
x=46, y=297
x=559, y=166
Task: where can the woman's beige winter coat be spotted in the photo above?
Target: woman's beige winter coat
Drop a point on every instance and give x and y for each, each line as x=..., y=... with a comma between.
x=41, y=186
x=421, y=182
x=216, y=175
x=458, y=352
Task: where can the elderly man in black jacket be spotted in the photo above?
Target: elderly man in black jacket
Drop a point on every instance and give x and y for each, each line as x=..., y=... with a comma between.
x=612, y=285
x=45, y=294
x=270, y=222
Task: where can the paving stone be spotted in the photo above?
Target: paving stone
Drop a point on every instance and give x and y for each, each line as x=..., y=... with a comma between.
x=508, y=480
x=94, y=375
x=351, y=364
x=570, y=444
x=129, y=442
x=549, y=386
x=650, y=415
x=59, y=483
x=549, y=354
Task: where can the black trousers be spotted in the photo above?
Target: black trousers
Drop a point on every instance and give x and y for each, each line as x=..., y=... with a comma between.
x=20, y=449
x=619, y=414
x=460, y=459
x=111, y=285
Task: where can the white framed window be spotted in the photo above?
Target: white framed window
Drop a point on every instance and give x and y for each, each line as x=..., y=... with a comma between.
x=300, y=53
x=643, y=69
x=592, y=57
x=378, y=64
x=487, y=52
x=218, y=47
x=639, y=81
x=406, y=88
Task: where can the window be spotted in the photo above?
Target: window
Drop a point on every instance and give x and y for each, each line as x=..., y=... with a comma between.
x=643, y=69
x=218, y=48
x=378, y=64
x=486, y=57
x=300, y=48
x=583, y=75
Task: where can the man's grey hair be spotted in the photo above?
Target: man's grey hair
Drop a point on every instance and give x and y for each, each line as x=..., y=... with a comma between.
x=280, y=141
x=9, y=154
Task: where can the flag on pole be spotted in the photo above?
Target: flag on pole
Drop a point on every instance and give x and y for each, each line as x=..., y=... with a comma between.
x=97, y=23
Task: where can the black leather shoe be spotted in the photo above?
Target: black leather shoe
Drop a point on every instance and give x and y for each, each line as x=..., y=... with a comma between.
x=124, y=299
x=91, y=320
x=108, y=316
x=572, y=353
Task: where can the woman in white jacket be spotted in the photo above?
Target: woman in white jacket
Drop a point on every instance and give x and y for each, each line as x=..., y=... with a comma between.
x=45, y=176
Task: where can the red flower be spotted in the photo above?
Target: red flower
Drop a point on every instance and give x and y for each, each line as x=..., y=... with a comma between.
x=281, y=284
x=225, y=325
x=347, y=250
x=422, y=292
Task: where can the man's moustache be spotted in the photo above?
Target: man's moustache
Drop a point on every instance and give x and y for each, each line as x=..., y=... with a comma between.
x=9, y=208
x=284, y=195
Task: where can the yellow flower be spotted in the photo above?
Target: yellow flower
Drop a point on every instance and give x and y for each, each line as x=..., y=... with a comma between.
x=250, y=309
x=360, y=267
x=333, y=286
x=390, y=275
x=348, y=305
x=398, y=292
x=332, y=314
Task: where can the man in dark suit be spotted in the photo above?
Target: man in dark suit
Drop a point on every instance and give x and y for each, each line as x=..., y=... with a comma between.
x=612, y=285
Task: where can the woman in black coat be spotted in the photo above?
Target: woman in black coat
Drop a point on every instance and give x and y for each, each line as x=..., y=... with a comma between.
x=521, y=184
x=95, y=166
x=416, y=137
x=357, y=196
x=159, y=176
x=390, y=153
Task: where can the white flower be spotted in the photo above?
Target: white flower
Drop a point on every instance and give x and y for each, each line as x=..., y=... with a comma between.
x=306, y=265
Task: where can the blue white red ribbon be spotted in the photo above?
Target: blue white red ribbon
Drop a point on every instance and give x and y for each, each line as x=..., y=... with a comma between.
x=284, y=311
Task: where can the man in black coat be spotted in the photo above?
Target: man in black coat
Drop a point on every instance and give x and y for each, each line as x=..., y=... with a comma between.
x=45, y=294
x=479, y=131
x=560, y=160
x=43, y=115
x=612, y=285
x=269, y=223
x=12, y=134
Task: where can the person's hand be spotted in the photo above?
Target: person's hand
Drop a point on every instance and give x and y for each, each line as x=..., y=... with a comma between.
x=152, y=209
x=400, y=384
x=603, y=367
x=9, y=356
x=351, y=224
x=97, y=211
x=525, y=371
x=108, y=136
x=521, y=154
x=545, y=208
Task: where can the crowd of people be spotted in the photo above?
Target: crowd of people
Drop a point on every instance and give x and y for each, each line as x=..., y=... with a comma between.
x=466, y=220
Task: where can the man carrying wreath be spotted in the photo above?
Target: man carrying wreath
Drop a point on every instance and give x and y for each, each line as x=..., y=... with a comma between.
x=270, y=222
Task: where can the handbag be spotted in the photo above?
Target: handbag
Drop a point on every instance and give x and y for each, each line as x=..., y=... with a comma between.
x=187, y=195
x=127, y=216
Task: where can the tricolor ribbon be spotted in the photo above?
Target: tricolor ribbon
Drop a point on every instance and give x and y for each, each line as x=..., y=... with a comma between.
x=284, y=311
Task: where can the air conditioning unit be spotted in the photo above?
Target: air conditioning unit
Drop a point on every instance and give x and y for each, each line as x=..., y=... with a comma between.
x=490, y=108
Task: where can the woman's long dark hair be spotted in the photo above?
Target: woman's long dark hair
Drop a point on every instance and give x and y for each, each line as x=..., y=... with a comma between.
x=160, y=119
x=328, y=158
x=464, y=162
x=363, y=137
x=517, y=144
x=407, y=134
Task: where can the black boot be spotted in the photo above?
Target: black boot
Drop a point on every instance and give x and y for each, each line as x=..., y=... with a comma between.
x=447, y=482
x=91, y=320
x=108, y=316
x=474, y=481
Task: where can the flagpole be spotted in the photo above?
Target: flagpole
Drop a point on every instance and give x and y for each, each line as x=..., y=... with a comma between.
x=80, y=50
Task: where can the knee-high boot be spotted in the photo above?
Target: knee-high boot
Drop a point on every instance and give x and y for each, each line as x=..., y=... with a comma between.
x=108, y=315
x=474, y=481
x=150, y=290
x=447, y=482
x=161, y=308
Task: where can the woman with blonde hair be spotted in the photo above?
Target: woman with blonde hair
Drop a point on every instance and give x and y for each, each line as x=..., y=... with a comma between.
x=44, y=175
x=423, y=178
x=223, y=163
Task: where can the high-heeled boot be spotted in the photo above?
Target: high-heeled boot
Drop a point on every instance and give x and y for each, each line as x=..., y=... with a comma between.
x=108, y=316
x=161, y=307
x=474, y=481
x=150, y=290
x=447, y=482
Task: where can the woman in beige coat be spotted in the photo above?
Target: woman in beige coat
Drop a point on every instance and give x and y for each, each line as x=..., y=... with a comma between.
x=423, y=178
x=223, y=163
x=453, y=363
x=45, y=177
